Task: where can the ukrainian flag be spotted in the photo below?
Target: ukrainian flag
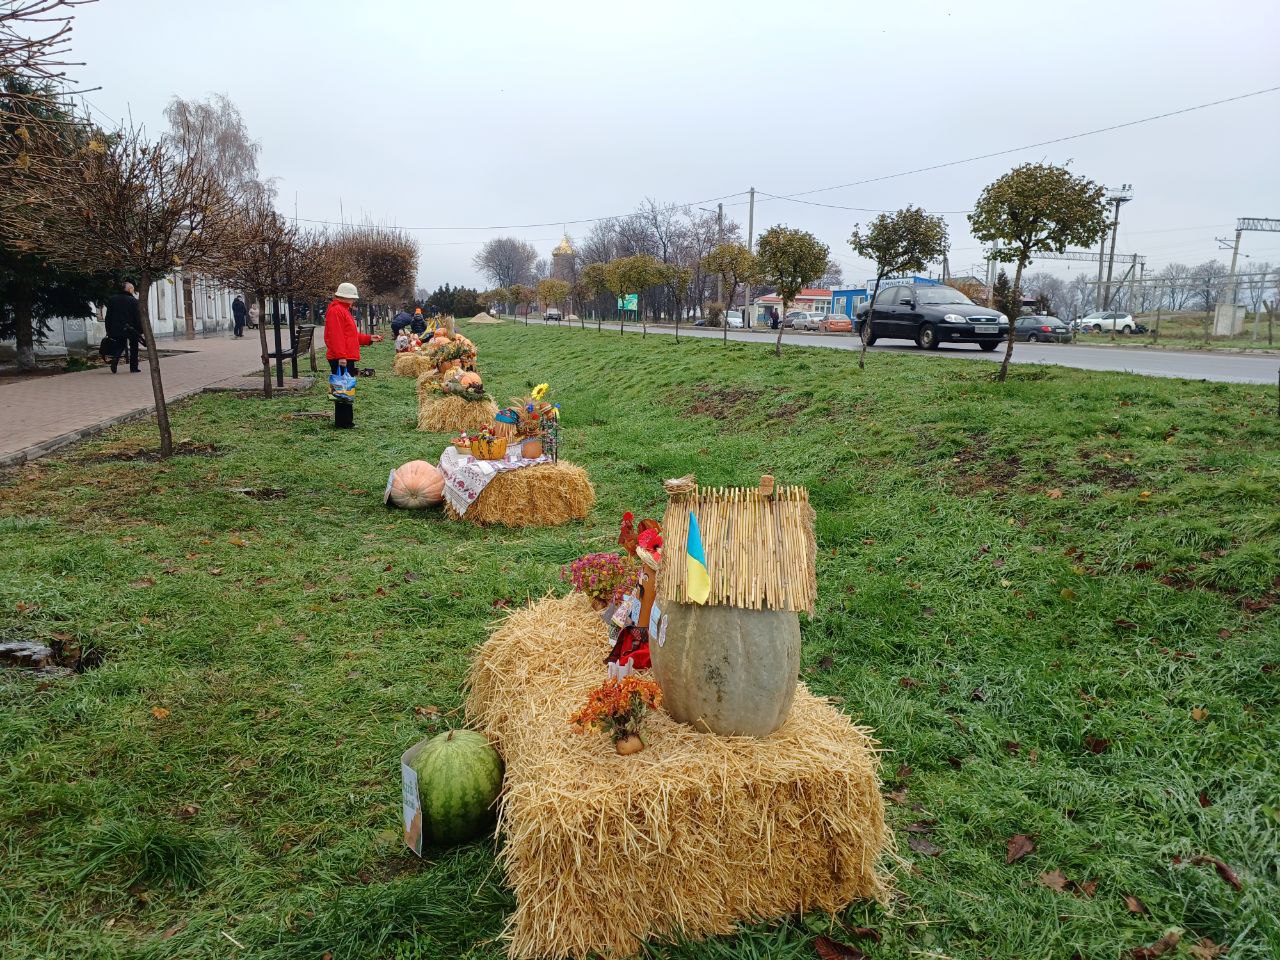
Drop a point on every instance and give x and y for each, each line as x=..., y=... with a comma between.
x=698, y=587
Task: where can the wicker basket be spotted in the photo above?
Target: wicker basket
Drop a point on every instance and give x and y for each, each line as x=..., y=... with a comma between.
x=462, y=448
x=489, y=449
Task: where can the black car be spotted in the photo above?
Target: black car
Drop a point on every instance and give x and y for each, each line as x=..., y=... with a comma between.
x=932, y=315
x=1037, y=329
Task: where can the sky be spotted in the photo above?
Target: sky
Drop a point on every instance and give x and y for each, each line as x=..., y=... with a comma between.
x=494, y=113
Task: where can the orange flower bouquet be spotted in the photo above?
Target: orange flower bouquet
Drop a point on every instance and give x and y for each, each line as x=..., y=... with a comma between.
x=619, y=706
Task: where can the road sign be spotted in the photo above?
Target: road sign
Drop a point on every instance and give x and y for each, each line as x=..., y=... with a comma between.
x=630, y=301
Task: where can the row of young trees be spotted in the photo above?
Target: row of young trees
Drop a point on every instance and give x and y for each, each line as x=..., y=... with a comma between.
x=84, y=208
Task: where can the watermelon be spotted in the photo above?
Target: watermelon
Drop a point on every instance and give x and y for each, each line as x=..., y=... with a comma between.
x=459, y=778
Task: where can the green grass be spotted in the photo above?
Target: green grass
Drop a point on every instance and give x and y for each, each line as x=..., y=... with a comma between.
x=987, y=628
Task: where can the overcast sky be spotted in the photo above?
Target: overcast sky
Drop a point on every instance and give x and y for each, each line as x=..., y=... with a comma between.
x=493, y=112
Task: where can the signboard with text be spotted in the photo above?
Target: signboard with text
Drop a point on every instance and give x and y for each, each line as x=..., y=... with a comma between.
x=630, y=301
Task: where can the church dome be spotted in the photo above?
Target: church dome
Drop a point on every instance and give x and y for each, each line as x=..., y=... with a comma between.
x=563, y=249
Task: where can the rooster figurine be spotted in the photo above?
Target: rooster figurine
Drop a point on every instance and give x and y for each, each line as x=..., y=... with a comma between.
x=627, y=535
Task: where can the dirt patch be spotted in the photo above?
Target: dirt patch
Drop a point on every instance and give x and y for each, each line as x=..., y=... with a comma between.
x=728, y=403
x=1112, y=475
x=62, y=655
x=786, y=412
x=981, y=473
x=261, y=493
x=183, y=449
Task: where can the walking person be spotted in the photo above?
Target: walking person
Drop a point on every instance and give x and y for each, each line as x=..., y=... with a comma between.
x=124, y=325
x=241, y=314
x=342, y=341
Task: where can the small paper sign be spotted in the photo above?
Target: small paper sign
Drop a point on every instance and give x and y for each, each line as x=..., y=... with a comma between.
x=412, y=807
x=386, y=494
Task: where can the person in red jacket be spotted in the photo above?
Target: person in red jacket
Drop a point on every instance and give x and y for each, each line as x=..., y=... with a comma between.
x=342, y=341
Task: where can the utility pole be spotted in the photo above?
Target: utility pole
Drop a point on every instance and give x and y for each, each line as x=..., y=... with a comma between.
x=1119, y=198
x=751, y=238
x=1102, y=255
x=1231, y=286
x=720, y=235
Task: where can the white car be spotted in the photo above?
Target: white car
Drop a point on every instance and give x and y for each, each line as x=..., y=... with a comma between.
x=734, y=319
x=1104, y=321
x=804, y=319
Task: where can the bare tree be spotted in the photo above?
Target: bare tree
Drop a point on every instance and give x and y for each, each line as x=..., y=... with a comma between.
x=34, y=38
x=833, y=279
x=140, y=209
x=214, y=131
x=1176, y=279
x=506, y=261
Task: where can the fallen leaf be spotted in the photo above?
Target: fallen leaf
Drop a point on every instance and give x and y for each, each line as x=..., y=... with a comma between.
x=1134, y=904
x=1224, y=634
x=381, y=592
x=921, y=826
x=501, y=604
x=904, y=772
x=826, y=663
x=172, y=931
x=1055, y=880
x=898, y=796
x=1096, y=744
x=1199, y=714
x=1017, y=847
x=215, y=571
x=142, y=582
x=923, y=846
x=387, y=568
x=411, y=576
x=907, y=683
x=238, y=542
x=188, y=811
x=1206, y=949
x=1127, y=624
x=1067, y=593
x=866, y=933
x=160, y=713
x=997, y=563
x=1087, y=889
x=829, y=949
x=1145, y=494
x=426, y=711
x=1037, y=549
x=1224, y=871
x=979, y=695
x=1158, y=949
x=1012, y=746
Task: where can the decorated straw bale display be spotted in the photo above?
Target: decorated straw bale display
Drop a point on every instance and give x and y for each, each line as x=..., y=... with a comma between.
x=743, y=570
x=510, y=472
x=455, y=400
x=607, y=848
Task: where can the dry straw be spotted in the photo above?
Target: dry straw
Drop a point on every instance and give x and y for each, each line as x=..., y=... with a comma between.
x=450, y=413
x=426, y=380
x=411, y=363
x=545, y=495
x=760, y=548
x=688, y=838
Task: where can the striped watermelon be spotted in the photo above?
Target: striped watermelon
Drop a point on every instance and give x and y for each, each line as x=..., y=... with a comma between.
x=459, y=778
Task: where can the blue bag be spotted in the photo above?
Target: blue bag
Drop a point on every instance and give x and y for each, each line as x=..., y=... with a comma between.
x=342, y=385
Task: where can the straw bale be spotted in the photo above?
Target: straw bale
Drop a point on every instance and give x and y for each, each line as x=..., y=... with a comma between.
x=411, y=363
x=426, y=380
x=449, y=413
x=545, y=495
x=688, y=838
x=761, y=550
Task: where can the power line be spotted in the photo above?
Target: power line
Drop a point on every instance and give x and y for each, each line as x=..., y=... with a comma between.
x=1042, y=143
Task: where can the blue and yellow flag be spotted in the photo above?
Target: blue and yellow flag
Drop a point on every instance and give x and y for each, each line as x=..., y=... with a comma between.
x=698, y=587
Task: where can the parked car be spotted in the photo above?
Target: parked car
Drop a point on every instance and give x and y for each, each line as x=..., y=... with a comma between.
x=803, y=319
x=1104, y=321
x=734, y=319
x=931, y=316
x=553, y=313
x=1038, y=329
x=836, y=323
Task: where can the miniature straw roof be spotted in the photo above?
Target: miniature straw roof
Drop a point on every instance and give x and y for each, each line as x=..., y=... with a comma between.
x=545, y=495
x=760, y=547
x=688, y=838
x=449, y=413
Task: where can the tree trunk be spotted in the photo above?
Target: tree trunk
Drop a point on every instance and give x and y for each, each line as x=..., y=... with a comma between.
x=153, y=361
x=782, y=319
x=262, y=339
x=867, y=327
x=1013, y=321
x=25, y=332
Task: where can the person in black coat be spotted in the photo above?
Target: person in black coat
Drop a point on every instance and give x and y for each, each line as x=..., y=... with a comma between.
x=124, y=325
x=241, y=314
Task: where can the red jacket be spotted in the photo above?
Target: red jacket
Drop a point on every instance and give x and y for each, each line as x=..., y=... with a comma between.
x=342, y=341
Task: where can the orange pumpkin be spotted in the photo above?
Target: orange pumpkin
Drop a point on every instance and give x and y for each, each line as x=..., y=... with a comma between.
x=415, y=485
x=470, y=379
x=439, y=342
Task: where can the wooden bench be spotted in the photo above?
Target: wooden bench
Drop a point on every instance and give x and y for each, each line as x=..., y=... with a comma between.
x=303, y=339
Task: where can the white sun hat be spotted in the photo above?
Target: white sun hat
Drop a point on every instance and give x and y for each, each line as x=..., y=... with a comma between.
x=347, y=291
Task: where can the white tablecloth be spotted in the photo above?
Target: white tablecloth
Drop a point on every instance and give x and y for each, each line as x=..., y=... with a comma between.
x=466, y=477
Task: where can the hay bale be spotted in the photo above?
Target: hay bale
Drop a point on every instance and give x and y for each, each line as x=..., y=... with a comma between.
x=545, y=495
x=450, y=413
x=688, y=838
x=411, y=363
x=426, y=380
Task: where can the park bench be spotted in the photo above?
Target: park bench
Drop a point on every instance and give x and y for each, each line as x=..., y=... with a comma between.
x=303, y=338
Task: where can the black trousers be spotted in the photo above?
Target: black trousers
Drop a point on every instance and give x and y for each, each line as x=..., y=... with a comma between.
x=351, y=367
x=131, y=347
x=239, y=326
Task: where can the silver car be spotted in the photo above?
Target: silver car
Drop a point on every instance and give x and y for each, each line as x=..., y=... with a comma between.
x=804, y=319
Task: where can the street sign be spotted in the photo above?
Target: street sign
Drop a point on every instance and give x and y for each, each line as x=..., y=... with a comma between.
x=630, y=301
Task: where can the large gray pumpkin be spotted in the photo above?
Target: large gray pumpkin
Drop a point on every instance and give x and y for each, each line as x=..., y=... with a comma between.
x=728, y=670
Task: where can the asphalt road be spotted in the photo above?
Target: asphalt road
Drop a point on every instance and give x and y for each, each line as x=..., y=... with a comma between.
x=1191, y=365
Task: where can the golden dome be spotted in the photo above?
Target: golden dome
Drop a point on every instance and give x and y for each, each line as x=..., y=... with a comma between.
x=563, y=249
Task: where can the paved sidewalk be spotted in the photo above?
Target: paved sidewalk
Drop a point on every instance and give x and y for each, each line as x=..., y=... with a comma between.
x=45, y=413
